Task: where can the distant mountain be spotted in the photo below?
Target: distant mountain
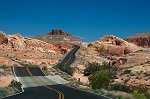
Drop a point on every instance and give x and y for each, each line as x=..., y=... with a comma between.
x=141, y=39
x=57, y=37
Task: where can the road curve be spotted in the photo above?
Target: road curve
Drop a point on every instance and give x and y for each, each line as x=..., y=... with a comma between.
x=70, y=57
x=46, y=88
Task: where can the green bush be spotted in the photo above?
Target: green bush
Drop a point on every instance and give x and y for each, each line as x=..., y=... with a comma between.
x=138, y=96
x=121, y=87
x=7, y=91
x=93, y=67
x=69, y=70
x=16, y=84
x=147, y=95
x=100, y=79
x=3, y=92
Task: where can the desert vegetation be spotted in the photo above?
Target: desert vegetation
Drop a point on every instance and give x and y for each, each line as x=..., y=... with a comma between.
x=69, y=70
x=13, y=88
x=101, y=78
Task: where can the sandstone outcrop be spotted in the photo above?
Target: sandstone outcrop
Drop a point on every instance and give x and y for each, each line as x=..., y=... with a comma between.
x=59, y=36
x=112, y=46
x=58, y=32
x=142, y=40
x=19, y=47
x=17, y=41
x=3, y=39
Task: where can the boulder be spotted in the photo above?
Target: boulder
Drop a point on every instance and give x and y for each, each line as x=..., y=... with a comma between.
x=3, y=39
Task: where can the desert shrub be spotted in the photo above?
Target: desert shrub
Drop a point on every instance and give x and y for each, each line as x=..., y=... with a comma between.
x=5, y=91
x=147, y=95
x=16, y=84
x=121, y=87
x=138, y=96
x=93, y=67
x=127, y=71
x=63, y=51
x=100, y=79
x=45, y=68
x=69, y=70
x=4, y=67
x=141, y=88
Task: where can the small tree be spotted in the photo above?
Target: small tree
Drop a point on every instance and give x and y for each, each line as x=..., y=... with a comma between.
x=93, y=67
x=16, y=84
x=100, y=79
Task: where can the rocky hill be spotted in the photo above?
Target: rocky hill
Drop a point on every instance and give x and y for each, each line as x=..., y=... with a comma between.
x=57, y=37
x=28, y=49
x=111, y=45
x=16, y=50
x=46, y=50
x=132, y=61
x=109, y=49
x=141, y=39
x=58, y=32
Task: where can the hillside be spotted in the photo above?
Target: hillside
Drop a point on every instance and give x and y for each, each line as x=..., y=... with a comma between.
x=141, y=39
x=17, y=46
x=47, y=50
x=57, y=37
x=117, y=53
x=111, y=46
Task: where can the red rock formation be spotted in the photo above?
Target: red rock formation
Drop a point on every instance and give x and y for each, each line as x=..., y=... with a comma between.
x=58, y=32
x=114, y=51
x=142, y=40
x=3, y=39
x=112, y=46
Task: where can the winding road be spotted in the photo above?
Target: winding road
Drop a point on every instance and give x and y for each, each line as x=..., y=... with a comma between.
x=37, y=85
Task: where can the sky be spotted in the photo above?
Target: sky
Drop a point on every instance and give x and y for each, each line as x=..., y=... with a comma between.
x=87, y=19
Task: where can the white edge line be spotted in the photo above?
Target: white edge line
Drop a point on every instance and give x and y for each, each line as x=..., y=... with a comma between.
x=71, y=54
x=76, y=88
x=75, y=55
x=15, y=74
x=88, y=92
x=66, y=54
x=16, y=93
x=48, y=77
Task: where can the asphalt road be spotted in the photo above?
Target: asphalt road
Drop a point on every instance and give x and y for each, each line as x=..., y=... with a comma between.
x=36, y=85
x=70, y=57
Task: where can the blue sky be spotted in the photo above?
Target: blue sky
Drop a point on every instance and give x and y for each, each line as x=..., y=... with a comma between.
x=88, y=19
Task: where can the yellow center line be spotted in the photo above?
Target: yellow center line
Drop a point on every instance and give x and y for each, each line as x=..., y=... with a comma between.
x=70, y=57
x=61, y=95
